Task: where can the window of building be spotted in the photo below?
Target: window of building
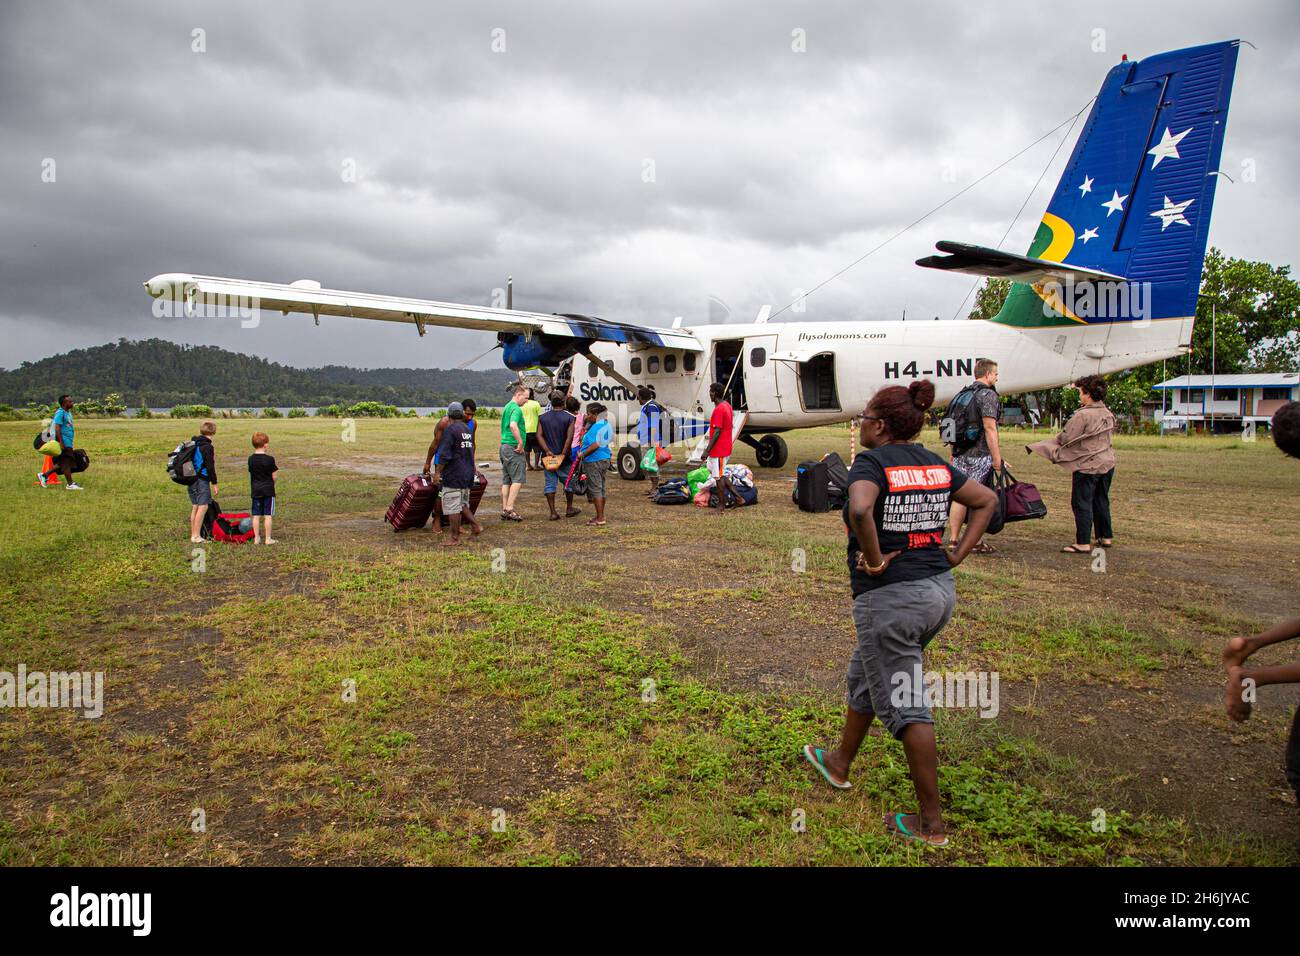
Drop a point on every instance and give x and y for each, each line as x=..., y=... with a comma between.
x=688, y=361
x=758, y=357
x=636, y=366
x=1225, y=394
x=652, y=365
x=1275, y=393
x=1193, y=396
x=670, y=363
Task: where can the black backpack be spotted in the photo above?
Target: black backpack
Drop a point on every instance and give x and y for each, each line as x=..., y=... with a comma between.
x=674, y=491
x=180, y=463
x=962, y=423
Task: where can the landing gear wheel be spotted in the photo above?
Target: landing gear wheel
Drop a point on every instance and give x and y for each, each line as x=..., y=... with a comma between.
x=771, y=451
x=629, y=463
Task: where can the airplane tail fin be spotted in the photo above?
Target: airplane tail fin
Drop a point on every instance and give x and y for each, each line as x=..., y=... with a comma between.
x=1134, y=200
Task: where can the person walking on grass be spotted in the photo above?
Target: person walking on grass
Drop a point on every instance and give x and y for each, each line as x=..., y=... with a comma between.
x=204, y=489
x=1084, y=449
x=62, y=431
x=1239, y=692
x=976, y=452
x=431, y=457
x=595, y=456
x=261, y=478
x=719, y=448
x=455, y=474
x=513, y=457
x=903, y=592
x=555, y=433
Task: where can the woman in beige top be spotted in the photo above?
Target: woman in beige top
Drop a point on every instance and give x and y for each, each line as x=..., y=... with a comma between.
x=1084, y=449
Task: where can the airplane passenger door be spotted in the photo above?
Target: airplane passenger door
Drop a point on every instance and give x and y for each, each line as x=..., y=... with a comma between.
x=762, y=392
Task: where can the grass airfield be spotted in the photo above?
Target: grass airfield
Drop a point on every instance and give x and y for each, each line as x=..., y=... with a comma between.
x=506, y=716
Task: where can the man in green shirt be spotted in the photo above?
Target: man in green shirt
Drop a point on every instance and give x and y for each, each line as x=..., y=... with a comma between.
x=513, y=458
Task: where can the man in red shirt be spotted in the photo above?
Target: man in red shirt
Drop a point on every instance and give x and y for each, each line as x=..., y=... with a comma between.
x=719, y=448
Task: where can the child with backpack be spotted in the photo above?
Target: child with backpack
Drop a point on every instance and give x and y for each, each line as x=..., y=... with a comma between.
x=204, y=487
x=261, y=477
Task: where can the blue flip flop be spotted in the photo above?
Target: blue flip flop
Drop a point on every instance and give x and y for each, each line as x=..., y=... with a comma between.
x=901, y=830
x=814, y=756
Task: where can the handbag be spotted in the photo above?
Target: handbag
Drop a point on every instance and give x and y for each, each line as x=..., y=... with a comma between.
x=552, y=462
x=576, y=480
x=1018, y=500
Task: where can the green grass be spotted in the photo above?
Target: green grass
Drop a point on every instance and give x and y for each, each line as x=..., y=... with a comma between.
x=524, y=695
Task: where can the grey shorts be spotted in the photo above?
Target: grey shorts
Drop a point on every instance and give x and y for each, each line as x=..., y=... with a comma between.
x=200, y=493
x=514, y=465
x=596, y=471
x=894, y=625
x=454, y=500
x=978, y=468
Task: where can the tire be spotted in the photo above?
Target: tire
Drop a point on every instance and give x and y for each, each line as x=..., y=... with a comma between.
x=771, y=451
x=629, y=463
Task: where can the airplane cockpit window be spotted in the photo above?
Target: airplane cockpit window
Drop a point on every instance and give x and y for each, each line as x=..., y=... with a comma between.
x=652, y=365
x=670, y=363
x=758, y=357
x=592, y=371
x=636, y=366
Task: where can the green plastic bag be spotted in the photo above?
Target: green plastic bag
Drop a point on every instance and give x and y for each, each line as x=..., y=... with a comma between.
x=696, y=478
x=649, y=463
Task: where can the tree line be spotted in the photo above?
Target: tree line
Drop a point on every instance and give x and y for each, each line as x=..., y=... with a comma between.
x=158, y=373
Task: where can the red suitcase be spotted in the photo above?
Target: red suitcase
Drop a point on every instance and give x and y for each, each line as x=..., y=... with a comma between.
x=413, y=504
x=475, y=496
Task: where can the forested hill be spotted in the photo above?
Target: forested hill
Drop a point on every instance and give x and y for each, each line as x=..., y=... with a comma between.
x=158, y=373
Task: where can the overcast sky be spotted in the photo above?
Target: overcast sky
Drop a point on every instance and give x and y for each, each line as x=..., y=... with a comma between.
x=772, y=168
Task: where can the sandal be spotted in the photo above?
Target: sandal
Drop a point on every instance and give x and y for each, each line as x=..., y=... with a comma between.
x=895, y=825
x=983, y=548
x=1103, y=543
x=1075, y=549
x=814, y=756
x=573, y=513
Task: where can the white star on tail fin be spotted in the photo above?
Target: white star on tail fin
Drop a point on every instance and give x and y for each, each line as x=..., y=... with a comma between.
x=1090, y=233
x=1087, y=185
x=1115, y=203
x=1172, y=212
x=1167, y=148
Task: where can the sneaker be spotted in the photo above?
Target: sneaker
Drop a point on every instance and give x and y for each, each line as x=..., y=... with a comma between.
x=40, y=476
x=73, y=486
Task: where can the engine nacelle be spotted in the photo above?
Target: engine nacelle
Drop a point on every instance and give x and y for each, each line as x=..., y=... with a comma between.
x=519, y=352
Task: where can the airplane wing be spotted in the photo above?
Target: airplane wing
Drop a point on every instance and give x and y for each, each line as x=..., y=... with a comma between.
x=981, y=261
x=308, y=297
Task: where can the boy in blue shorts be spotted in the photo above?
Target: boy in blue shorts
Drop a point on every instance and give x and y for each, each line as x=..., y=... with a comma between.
x=261, y=476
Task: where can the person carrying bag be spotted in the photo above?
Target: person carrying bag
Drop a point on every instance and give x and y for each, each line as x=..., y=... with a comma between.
x=1084, y=449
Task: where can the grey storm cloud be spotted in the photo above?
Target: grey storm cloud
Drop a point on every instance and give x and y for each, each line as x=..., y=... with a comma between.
x=773, y=169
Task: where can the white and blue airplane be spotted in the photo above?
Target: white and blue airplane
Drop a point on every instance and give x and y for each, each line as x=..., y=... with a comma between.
x=1109, y=282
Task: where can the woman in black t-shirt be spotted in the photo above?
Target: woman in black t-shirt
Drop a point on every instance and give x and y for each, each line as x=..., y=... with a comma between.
x=903, y=594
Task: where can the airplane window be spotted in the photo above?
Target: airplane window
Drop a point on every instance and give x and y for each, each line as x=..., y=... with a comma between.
x=592, y=371
x=636, y=366
x=652, y=365
x=688, y=361
x=758, y=357
x=670, y=363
